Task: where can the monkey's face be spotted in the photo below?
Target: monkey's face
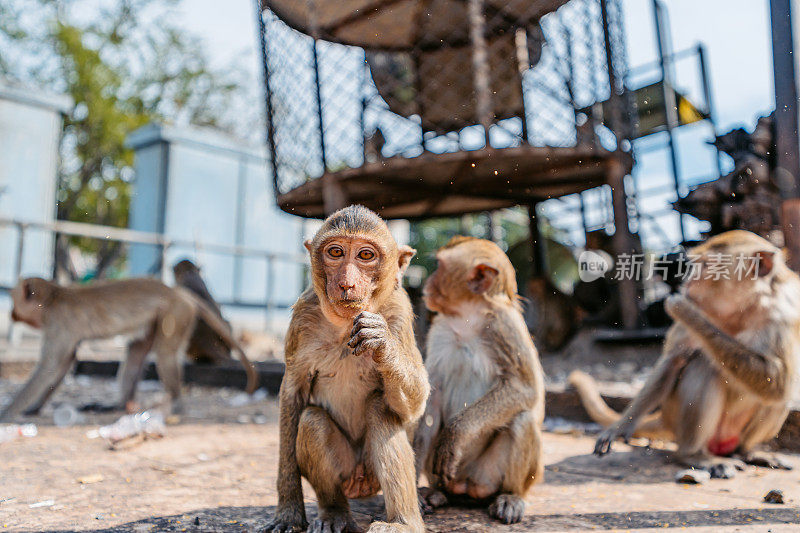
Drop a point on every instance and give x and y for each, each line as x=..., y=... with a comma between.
x=469, y=270
x=442, y=291
x=353, y=269
x=735, y=271
x=28, y=299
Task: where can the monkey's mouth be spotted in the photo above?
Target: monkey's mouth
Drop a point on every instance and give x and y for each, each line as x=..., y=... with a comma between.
x=351, y=303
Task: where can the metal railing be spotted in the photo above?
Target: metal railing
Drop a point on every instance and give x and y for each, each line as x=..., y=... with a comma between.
x=164, y=243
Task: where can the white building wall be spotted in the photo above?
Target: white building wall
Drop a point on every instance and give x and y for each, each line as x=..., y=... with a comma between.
x=30, y=133
x=200, y=186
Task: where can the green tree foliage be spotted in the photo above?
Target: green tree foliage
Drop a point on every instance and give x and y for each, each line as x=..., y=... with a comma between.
x=124, y=65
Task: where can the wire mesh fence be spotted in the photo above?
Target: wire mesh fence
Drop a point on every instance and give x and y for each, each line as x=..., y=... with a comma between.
x=414, y=85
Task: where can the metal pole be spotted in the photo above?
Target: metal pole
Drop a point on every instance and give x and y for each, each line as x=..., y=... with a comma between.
x=538, y=253
x=623, y=240
x=362, y=124
x=709, y=98
x=268, y=290
x=318, y=94
x=480, y=67
x=786, y=108
x=787, y=171
x=523, y=64
x=162, y=266
x=262, y=29
x=613, y=93
x=670, y=106
x=17, y=270
x=584, y=222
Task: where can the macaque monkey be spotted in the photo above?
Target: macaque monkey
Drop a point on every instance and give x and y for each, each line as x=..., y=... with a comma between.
x=480, y=435
x=205, y=345
x=725, y=379
x=164, y=316
x=354, y=385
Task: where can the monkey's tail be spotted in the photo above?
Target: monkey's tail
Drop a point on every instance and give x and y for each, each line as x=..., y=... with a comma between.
x=220, y=328
x=599, y=411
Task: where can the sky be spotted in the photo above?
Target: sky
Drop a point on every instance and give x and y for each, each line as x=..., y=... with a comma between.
x=736, y=34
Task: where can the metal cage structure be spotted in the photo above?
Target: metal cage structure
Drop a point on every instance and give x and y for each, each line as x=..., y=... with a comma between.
x=420, y=108
x=427, y=108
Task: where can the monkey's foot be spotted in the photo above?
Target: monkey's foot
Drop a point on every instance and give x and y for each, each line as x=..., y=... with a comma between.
x=333, y=521
x=718, y=467
x=766, y=459
x=508, y=508
x=386, y=527
x=430, y=499
x=287, y=521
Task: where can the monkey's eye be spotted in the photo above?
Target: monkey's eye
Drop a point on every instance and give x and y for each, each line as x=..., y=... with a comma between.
x=335, y=251
x=366, y=255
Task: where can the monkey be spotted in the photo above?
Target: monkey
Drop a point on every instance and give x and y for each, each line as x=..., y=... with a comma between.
x=557, y=315
x=205, y=346
x=69, y=315
x=354, y=385
x=480, y=435
x=724, y=380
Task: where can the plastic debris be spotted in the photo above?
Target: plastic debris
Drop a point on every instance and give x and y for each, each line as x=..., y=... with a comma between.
x=562, y=426
x=91, y=478
x=146, y=423
x=692, y=476
x=774, y=496
x=45, y=503
x=242, y=398
x=12, y=431
x=66, y=415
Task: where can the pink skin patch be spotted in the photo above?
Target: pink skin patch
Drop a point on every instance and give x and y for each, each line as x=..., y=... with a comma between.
x=723, y=447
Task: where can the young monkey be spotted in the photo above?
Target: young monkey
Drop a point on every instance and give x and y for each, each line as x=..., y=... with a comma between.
x=725, y=379
x=481, y=432
x=354, y=385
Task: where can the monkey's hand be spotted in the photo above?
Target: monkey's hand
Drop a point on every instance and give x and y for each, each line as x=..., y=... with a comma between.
x=371, y=334
x=609, y=435
x=447, y=454
x=287, y=520
x=682, y=309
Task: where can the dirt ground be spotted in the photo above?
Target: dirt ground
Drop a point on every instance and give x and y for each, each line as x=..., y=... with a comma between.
x=216, y=471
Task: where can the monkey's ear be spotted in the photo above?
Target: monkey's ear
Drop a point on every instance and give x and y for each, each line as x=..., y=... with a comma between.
x=307, y=244
x=404, y=256
x=766, y=261
x=481, y=277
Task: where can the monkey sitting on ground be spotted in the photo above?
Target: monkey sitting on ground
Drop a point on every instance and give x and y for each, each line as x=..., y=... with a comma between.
x=354, y=385
x=69, y=315
x=205, y=345
x=725, y=379
x=481, y=432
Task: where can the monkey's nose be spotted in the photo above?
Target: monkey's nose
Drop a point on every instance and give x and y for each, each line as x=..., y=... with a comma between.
x=346, y=286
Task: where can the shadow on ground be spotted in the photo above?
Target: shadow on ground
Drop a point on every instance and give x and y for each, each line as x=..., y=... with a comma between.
x=467, y=519
x=637, y=465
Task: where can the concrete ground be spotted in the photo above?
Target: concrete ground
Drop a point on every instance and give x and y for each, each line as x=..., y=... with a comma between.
x=221, y=475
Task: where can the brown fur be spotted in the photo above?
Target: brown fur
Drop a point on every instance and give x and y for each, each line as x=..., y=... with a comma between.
x=481, y=433
x=69, y=315
x=354, y=384
x=724, y=382
x=205, y=345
